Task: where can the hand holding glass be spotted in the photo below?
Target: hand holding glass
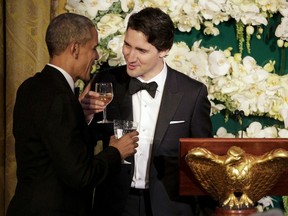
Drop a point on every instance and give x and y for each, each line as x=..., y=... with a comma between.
x=105, y=91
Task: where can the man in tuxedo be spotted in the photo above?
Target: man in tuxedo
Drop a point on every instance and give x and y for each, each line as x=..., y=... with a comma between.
x=167, y=105
x=56, y=168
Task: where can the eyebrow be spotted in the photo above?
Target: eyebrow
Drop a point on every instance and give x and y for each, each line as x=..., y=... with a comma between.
x=137, y=48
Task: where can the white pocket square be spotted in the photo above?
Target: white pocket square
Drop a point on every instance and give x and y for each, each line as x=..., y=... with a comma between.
x=176, y=122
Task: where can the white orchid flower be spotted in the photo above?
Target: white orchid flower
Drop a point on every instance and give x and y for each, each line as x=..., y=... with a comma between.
x=222, y=133
x=284, y=114
x=126, y=5
x=251, y=15
x=216, y=108
x=283, y=8
x=177, y=58
x=282, y=30
x=93, y=6
x=110, y=24
x=266, y=201
x=283, y=133
x=255, y=130
x=270, y=132
x=74, y=6
x=212, y=10
x=199, y=64
x=218, y=64
x=116, y=46
x=210, y=29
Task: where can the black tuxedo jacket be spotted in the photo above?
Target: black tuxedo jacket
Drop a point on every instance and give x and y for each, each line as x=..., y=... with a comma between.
x=184, y=112
x=56, y=169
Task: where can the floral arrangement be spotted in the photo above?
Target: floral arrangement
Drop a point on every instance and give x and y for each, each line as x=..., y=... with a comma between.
x=189, y=14
x=254, y=130
x=233, y=82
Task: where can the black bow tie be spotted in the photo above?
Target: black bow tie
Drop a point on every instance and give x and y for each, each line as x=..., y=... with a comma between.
x=135, y=85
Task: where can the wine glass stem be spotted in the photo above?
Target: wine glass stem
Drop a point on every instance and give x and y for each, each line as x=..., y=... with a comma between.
x=104, y=115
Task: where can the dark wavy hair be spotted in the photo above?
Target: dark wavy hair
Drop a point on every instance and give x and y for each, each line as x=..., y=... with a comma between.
x=67, y=28
x=156, y=25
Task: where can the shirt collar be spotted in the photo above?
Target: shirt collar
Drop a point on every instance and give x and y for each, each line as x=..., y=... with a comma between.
x=66, y=75
x=159, y=78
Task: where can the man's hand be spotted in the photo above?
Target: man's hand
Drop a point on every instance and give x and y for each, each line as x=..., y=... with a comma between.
x=126, y=145
x=90, y=104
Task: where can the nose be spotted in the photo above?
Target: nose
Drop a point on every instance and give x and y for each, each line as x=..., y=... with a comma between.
x=130, y=55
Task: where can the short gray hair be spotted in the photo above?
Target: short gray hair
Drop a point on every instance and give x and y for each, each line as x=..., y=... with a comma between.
x=67, y=28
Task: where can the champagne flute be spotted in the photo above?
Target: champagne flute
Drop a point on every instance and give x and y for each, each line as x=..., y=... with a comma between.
x=106, y=95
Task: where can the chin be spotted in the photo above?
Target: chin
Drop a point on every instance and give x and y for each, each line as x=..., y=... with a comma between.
x=86, y=79
x=86, y=76
x=132, y=73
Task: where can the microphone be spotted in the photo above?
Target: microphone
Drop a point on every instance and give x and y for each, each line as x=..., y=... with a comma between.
x=239, y=114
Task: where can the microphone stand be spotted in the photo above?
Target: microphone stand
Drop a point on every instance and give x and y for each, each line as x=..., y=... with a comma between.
x=239, y=114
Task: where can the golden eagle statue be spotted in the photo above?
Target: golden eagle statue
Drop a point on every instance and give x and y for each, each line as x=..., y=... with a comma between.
x=237, y=180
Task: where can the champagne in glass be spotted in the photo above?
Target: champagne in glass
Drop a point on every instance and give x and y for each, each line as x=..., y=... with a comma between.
x=129, y=126
x=105, y=91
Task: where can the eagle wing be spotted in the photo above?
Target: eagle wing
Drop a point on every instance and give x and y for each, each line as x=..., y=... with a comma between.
x=265, y=173
x=208, y=169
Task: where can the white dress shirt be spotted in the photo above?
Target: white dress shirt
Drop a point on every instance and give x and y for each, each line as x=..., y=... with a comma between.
x=145, y=113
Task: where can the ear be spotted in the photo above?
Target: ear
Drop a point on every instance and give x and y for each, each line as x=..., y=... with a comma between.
x=74, y=49
x=163, y=53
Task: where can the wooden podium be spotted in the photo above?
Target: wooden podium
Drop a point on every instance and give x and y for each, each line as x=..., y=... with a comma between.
x=189, y=185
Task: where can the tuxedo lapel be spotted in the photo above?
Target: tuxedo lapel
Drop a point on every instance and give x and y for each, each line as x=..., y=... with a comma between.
x=170, y=98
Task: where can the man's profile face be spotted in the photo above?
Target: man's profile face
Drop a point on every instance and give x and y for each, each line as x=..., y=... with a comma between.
x=87, y=56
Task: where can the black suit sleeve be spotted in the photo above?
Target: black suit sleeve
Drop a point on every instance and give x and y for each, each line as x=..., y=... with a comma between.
x=67, y=140
x=201, y=126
